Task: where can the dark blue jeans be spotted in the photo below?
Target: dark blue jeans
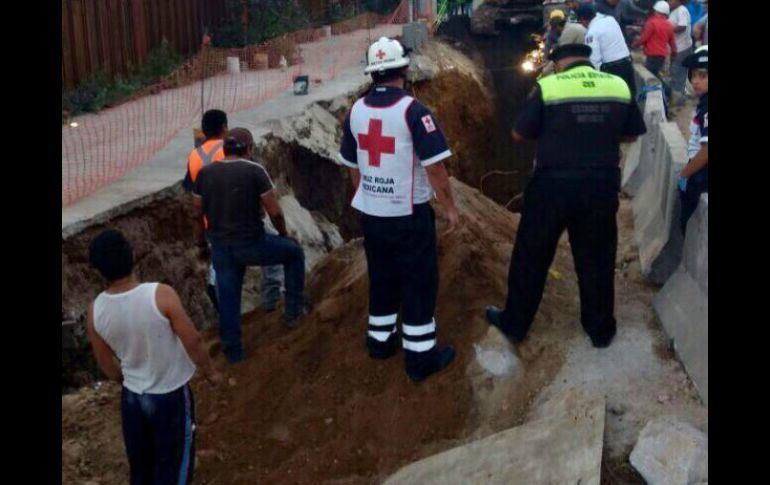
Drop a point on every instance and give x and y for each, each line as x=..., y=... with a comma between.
x=159, y=433
x=696, y=185
x=230, y=262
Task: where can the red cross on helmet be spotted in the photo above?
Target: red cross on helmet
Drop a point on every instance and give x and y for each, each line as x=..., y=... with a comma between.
x=385, y=54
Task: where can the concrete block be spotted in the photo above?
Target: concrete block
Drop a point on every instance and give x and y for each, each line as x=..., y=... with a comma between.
x=682, y=303
x=637, y=164
x=631, y=178
x=414, y=35
x=644, y=77
x=564, y=448
x=495, y=356
x=656, y=206
x=422, y=68
x=671, y=452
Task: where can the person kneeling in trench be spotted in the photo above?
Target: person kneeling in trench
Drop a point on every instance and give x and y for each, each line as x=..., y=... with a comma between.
x=231, y=194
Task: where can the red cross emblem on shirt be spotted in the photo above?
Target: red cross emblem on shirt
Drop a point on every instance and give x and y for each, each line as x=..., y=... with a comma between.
x=376, y=144
x=380, y=54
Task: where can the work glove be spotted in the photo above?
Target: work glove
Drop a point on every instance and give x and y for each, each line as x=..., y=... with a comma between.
x=682, y=184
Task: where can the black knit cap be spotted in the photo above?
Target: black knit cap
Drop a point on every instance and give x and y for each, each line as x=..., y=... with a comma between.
x=570, y=50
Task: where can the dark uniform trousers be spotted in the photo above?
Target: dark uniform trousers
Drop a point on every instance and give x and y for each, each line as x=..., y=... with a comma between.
x=403, y=274
x=623, y=68
x=585, y=203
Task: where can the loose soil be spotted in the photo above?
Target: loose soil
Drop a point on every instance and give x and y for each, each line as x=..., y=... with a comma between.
x=309, y=406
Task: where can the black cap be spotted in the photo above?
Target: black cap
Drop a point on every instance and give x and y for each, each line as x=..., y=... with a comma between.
x=585, y=11
x=570, y=50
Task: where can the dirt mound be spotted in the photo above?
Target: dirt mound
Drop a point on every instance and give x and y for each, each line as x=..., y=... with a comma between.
x=161, y=233
x=460, y=96
x=309, y=406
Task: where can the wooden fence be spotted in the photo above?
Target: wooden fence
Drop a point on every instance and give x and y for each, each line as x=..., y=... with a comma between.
x=113, y=34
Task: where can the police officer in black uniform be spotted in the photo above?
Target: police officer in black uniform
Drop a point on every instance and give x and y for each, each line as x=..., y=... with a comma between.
x=579, y=116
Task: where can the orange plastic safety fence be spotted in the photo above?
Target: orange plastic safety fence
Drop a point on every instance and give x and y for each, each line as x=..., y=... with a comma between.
x=99, y=148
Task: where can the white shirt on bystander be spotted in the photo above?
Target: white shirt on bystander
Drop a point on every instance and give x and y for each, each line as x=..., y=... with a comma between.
x=680, y=17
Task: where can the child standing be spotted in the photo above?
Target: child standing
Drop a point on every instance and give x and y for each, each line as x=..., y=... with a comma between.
x=694, y=179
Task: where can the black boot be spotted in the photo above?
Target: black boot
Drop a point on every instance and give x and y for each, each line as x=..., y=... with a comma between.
x=604, y=340
x=382, y=350
x=420, y=365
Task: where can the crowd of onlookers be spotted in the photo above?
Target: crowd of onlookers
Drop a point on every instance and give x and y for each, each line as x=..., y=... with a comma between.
x=673, y=35
x=667, y=31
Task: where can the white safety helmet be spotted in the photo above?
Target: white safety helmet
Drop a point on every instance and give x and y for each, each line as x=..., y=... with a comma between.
x=662, y=7
x=385, y=54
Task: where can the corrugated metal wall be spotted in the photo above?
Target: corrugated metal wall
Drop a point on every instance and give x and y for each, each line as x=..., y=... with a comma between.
x=112, y=34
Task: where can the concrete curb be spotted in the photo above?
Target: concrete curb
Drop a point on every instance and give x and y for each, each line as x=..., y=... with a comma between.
x=638, y=162
x=656, y=206
x=682, y=303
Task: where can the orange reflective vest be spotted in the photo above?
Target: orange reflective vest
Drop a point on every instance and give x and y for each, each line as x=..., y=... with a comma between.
x=209, y=152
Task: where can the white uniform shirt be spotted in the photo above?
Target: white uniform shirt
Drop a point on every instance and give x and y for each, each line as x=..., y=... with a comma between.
x=680, y=17
x=606, y=41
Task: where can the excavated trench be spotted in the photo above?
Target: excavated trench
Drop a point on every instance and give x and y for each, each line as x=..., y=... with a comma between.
x=475, y=114
x=507, y=164
x=308, y=406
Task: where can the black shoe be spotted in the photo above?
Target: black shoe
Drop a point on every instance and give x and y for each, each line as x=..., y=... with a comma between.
x=495, y=318
x=382, y=350
x=427, y=365
x=602, y=342
x=296, y=321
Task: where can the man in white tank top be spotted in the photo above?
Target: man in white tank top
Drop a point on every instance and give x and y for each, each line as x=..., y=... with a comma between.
x=394, y=149
x=142, y=337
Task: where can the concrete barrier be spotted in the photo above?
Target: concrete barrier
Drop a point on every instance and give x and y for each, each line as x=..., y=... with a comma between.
x=638, y=160
x=414, y=35
x=656, y=206
x=682, y=303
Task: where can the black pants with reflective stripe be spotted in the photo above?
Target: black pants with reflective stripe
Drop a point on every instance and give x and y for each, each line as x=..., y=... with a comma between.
x=585, y=204
x=624, y=69
x=403, y=275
